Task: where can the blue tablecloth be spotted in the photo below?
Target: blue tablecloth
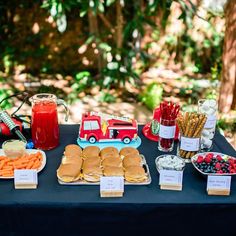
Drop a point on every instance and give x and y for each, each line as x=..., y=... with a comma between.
x=53, y=209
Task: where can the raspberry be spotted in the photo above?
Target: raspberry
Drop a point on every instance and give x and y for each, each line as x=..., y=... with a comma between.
x=200, y=159
x=207, y=159
x=218, y=166
x=219, y=171
x=219, y=158
x=232, y=171
x=209, y=155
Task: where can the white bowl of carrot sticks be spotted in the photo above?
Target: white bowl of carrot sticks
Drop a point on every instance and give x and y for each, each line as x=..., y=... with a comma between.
x=32, y=159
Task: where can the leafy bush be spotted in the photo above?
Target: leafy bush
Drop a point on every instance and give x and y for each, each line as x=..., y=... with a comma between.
x=152, y=95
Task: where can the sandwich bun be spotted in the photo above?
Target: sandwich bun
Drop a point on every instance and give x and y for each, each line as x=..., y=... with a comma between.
x=135, y=174
x=126, y=151
x=92, y=173
x=112, y=161
x=68, y=173
x=109, y=152
x=90, y=151
x=113, y=171
x=91, y=161
x=72, y=150
x=132, y=160
x=77, y=161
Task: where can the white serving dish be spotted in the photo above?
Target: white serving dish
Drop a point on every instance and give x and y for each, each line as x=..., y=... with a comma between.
x=194, y=158
x=29, y=151
x=161, y=156
x=83, y=182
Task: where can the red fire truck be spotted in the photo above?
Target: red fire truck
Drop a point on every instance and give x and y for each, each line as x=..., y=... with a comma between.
x=101, y=127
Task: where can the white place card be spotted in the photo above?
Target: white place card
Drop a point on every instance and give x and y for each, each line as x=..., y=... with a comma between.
x=218, y=185
x=167, y=131
x=171, y=179
x=189, y=144
x=112, y=186
x=211, y=122
x=25, y=179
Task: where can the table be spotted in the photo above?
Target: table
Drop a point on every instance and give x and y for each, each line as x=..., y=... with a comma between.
x=54, y=209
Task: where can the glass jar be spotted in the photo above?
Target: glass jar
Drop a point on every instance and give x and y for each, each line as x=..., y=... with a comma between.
x=209, y=108
x=188, y=147
x=166, y=135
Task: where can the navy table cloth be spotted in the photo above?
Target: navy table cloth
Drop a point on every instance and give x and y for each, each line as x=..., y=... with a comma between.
x=54, y=209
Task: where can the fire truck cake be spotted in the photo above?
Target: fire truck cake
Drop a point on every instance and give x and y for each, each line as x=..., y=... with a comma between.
x=98, y=128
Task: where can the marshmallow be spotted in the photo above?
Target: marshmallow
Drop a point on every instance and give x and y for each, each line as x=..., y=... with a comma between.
x=211, y=135
x=206, y=103
x=204, y=140
x=210, y=111
x=208, y=143
x=205, y=133
x=170, y=162
x=212, y=103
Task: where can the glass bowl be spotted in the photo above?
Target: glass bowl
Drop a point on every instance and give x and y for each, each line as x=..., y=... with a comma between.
x=14, y=148
x=171, y=165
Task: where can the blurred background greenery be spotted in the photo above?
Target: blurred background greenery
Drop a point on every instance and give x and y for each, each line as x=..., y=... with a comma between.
x=115, y=51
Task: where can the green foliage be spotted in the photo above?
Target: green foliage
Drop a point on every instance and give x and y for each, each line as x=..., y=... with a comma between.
x=229, y=125
x=3, y=94
x=117, y=65
x=107, y=97
x=152, y=95
x=82, y=81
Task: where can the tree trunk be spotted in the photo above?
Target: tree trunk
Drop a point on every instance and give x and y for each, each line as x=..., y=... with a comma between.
x=93, y=30
x=119, y=25
x=227, y=99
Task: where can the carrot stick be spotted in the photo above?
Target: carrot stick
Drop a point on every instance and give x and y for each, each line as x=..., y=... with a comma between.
x=30, y=164
x=2, y=163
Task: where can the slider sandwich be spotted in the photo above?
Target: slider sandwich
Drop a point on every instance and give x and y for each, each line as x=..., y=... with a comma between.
x=92, y=174
x=113, y=171
x=109, y=152
x=112, y=161
x=135, y=174
x=92, y=161
x=91, y=151
x=126, y=151
x=132, y=160
x=68, y=173
x=72, y=160
x=72, y=150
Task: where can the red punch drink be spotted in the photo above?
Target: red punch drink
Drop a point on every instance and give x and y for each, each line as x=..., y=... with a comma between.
x=44, y=123
x=45, y=130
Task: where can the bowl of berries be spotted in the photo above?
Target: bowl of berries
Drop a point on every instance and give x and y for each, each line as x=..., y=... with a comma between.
x=214, y=163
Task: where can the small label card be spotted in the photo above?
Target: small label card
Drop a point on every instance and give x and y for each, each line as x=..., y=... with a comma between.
x=111, y=186
x=211, y=122
x=171, y=180
x=218, y=185
x=190, y=144
x=167, y=131
x=25, y=179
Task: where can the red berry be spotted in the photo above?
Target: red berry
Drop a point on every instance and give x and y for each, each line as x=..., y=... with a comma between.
x=232, y=171
x=219, y=171
x=200, y=159
x=209, y=155
x=218, y=166
x=219, y=158
x=207, y=159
